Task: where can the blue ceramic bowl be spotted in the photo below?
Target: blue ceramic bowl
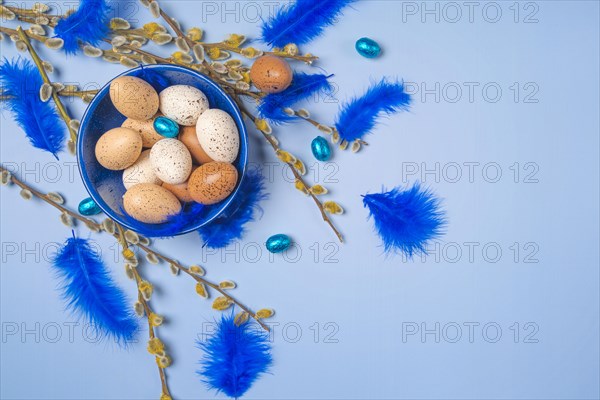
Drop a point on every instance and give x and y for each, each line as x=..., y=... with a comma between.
x=106, y=186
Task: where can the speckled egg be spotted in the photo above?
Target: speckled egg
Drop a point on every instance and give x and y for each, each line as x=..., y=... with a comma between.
x=140, y=172
x=133, y=97
x=189, y=137
x=171, y=161
x=145, y=129
x=180, y=190
x=183, y=104
x=271, y=74
x=212, y=182
x=150, y=203
x=218, y=135
x=118, y=148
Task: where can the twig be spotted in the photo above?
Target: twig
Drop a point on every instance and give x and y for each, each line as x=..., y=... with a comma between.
x=38, y=62
x=206, y=282
x=297, y=175
x=90, y=223
x=148, y=312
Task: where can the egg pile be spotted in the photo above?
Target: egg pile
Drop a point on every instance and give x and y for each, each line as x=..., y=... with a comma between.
x=172, y=149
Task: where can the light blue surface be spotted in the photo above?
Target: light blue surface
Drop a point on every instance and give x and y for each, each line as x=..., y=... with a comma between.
x=365, y=307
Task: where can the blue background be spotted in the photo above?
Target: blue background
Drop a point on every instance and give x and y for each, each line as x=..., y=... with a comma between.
x=364, y=305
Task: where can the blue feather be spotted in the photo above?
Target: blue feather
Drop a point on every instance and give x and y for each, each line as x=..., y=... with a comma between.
x=359, y=116
x=230, y=225
x=91, y=293
x=303, y=86
x=21, y=81
x=158, y=81
x=89, y=24
x=235, y=357
x=302, y=21
x=406, y=219
x=175, y=224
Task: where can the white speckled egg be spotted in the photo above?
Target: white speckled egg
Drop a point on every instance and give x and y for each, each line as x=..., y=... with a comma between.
x=171, y=161
x=140, y=172
x=218, y=135
x=183, y=104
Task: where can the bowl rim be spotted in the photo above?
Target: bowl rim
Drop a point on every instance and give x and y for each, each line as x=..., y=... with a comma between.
x=238, y=117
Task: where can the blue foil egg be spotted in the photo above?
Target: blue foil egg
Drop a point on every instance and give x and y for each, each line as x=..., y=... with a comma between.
x=166, y=127
x=88, y=207
x=368, y=47
x=320, y=148
x=278, y=243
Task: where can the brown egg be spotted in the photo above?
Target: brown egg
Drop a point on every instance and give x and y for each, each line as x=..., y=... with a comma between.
x=180, y=190
x=145, y=129
x=189, y=137
x=271, y=74
x=134, y=98
x=212, y=182
x=150, y=203
x=118, y=148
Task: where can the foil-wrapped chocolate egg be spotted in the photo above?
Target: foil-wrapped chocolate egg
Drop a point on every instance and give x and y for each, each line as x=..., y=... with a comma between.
x=320, y=148
x=278, y=243
x=166, y=127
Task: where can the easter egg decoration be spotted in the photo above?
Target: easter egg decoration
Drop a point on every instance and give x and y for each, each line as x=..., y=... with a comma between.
x=368, y=47
x=118, y=148
x=166, y=127
x=150, y=203
x=183, y=104
x=278, y=243
x=320, y=148
x=133, y=97
x=271, y=74
x=88, y=207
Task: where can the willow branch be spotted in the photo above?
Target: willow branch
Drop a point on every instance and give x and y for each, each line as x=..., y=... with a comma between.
x=38, y=62
x=94, y=226
x=297, y=175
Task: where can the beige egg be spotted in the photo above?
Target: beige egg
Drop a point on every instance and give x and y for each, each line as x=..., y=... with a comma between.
x=145, y=129
x=150, y=203
x=171, y=161
x=271, y=74
x=218, y=135
x=118, y=148
x=188, y=136
x=180, y=190
x=183, y=104
x=134, y=97
x=140, y=172
x=212, y=182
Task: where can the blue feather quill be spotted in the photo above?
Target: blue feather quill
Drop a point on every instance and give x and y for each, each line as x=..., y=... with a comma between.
x=176, y=223
x=358, y=117
x=235, y=357
x=91, y=293
x=303, y=86
x=302, y=21
x=406, y=219
x=21, y=82
x=89, y=24
x=229, y=226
